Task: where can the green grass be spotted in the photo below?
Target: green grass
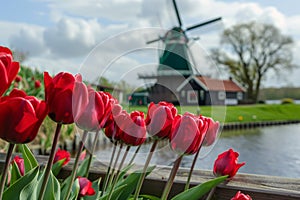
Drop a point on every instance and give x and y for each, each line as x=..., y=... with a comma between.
x=243, y=113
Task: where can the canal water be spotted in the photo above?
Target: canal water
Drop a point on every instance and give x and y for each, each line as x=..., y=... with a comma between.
x=271, y=151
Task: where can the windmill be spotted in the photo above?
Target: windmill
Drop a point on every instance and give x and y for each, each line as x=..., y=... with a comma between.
x=175, y=63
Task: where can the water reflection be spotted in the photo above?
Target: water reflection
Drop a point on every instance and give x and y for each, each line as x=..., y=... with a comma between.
x=269, y=150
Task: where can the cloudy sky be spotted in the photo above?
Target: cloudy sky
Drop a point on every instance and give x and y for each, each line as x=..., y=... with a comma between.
x=108, y=37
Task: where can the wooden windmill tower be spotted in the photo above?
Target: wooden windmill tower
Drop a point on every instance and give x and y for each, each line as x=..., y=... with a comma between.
x=175, y=63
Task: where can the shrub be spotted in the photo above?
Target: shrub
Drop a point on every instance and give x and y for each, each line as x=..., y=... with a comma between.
x=287, y=101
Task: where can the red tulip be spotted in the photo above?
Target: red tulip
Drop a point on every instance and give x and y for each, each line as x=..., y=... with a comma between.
x=20, y=163
x=187, y=133
x=93, y=116
x=111, y=130
x=115, y=110
x=60, y=93
x=212, y=131
x=160, y=118
x=20, y=117
x=37, y=84
x=8, y=69
x=18, y=78
x=226, y=164
x=134, y=129
x=85, y=187
x=241, y=196
x=62, y=154
x=130, y=128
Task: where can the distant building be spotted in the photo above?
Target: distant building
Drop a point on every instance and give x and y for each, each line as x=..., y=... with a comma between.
x=178, y=82
x=201, y=90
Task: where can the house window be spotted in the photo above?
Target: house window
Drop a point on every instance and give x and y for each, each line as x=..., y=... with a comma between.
x=182, y=93
x=240, y=96
x=221, y=95
x=201, y=95
x=192, y=96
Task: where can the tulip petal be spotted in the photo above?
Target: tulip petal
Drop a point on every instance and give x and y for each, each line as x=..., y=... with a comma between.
x=12, y=71
x=64, y=81
x=3, y=79
x=27, y=121
x=80, y=99
x=5, y=50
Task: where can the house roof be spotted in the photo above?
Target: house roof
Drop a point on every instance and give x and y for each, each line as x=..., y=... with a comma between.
x=217, y=85
x=211, y=84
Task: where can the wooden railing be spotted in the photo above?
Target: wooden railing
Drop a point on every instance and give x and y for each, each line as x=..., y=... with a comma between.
x=257, y=186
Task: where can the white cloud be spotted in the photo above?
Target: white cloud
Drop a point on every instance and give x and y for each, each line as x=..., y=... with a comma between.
x=80, y=26
x=29, y=40
x=23, y=37
x=72, y=37
x=113, y=10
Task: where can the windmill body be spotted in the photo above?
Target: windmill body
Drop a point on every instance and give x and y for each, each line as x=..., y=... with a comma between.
x=175, y=56
x=176, y=76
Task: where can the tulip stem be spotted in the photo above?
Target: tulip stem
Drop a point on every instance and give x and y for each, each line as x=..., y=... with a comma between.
x=142, y=177
x=114, y=167
x=109, y=168
x=118, y=172
x=171, y=178
x=211, y=193
x=5, y=169
x=134, y=155
x=75, y=166
x=50, y=161
x=123, y=159
x=187, y=185
x=92, y=153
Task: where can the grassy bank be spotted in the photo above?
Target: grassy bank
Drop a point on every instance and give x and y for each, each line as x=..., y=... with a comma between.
x=243, y=113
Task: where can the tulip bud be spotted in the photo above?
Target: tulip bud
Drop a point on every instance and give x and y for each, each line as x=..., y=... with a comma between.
x=212, y=132
x=129, y=128
x=226, y=164
x=18, y=79
x=37, y=84
x=60, y=97
x=20, y=163
x=94, y=113
x=62, y=154
x=187, y=133
x=241, y=196
x=160, y=118
x=85, y=187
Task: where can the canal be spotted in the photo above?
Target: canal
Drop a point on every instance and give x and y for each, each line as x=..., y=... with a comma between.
x=271, y=151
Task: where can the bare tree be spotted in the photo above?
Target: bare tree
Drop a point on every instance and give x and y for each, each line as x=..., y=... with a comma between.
x=249, y=50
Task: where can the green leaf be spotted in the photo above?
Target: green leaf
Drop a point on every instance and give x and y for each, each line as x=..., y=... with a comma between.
x=30, y=190
x=200, y=190
x=15, y=173
x=14, y=191
x=131, y=182
x=29, y=160
x=115, y=195
x=124, y=171
x=52, y=191
x=74, y=191
x=149, y=197
x=82, y=167
x=56, y=167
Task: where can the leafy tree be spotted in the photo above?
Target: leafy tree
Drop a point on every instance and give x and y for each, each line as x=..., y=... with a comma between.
x=249, y=50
